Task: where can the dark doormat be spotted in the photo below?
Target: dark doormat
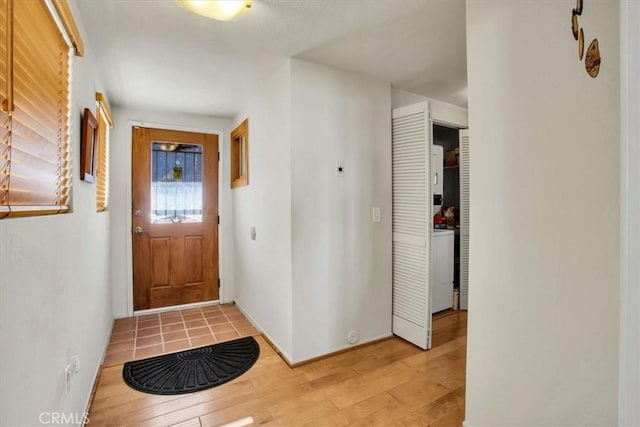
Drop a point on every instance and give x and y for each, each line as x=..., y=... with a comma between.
x=192, y=370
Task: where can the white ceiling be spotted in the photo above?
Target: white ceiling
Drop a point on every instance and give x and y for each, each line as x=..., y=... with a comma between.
x=157, y=56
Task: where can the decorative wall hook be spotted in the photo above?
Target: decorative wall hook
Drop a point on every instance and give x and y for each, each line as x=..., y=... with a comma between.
x=592, y=59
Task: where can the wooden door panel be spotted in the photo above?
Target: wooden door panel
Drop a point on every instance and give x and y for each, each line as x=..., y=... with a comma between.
x=193, y=250
x=176, y=256
x=166, y=297
x=160, y=258
x=177, y=260
x=141, y=294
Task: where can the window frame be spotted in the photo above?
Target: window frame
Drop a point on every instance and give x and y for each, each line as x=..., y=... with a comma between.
x=239, y=155
x=105, y=123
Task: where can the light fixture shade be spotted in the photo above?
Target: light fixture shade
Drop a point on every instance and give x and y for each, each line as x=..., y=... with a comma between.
x=222, y=10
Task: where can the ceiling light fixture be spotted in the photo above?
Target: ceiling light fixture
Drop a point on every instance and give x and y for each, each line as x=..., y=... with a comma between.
x=222, y=10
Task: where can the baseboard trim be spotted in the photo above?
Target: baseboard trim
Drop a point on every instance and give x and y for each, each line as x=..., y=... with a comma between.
x=341, y=351
x=292, y=364
x=276, y=349
x=324, y=356
x=248, y=316
x=96, y=374
x=266, y=337
x=311, y=359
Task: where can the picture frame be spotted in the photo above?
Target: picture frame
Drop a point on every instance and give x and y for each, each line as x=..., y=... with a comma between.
x=88, y=146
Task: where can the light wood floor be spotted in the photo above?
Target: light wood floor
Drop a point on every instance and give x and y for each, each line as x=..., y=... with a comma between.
x=387, y=383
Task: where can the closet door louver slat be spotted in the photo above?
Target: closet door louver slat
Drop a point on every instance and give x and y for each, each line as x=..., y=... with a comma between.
x=464, y=218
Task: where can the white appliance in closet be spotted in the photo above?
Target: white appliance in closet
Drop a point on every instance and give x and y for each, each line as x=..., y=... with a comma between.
x=442, y=242
x=442, y=258
x=437, y=163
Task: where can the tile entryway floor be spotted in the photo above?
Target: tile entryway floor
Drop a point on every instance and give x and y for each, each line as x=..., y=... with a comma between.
x=149, y=335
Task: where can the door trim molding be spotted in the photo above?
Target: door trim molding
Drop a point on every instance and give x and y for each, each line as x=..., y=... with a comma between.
x=127, y=230
x=629, y=371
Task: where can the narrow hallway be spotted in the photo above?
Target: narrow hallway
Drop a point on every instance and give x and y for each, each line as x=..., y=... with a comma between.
x=384, y=383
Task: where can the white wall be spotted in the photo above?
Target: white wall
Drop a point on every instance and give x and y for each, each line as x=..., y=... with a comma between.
x=120, y=197
x=341, y=260
x=319, y=267
x=544, y=262
x=54, y=289
x=263, y=266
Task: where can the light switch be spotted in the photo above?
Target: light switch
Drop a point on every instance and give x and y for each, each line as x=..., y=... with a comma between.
x=375, y=215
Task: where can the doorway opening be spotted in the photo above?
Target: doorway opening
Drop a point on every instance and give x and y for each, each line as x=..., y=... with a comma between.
x=424, y=234
x=450, y=244
x=174, y=218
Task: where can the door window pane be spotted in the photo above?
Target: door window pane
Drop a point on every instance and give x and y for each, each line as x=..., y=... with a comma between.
x=176, y=182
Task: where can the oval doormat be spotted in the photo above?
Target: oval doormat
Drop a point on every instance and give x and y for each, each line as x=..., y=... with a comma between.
x=192, y=370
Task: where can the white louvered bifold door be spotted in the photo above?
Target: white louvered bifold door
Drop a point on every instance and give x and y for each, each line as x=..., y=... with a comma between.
x=464, y=218
x=411, y=172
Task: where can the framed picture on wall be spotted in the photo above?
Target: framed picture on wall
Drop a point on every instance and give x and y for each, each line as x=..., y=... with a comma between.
x=88, y=147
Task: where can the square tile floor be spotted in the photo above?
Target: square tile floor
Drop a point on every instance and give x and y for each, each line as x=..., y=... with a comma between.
x=150, y=335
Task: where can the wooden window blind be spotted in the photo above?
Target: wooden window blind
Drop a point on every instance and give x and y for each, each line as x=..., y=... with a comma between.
x=34, y=135
x=105, y=121
x=5, y=122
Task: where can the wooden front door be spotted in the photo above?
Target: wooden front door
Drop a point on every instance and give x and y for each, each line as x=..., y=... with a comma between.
x=174, y=217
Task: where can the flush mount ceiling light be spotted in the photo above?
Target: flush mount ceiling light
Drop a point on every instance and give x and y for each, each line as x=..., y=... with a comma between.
x=222, y=10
